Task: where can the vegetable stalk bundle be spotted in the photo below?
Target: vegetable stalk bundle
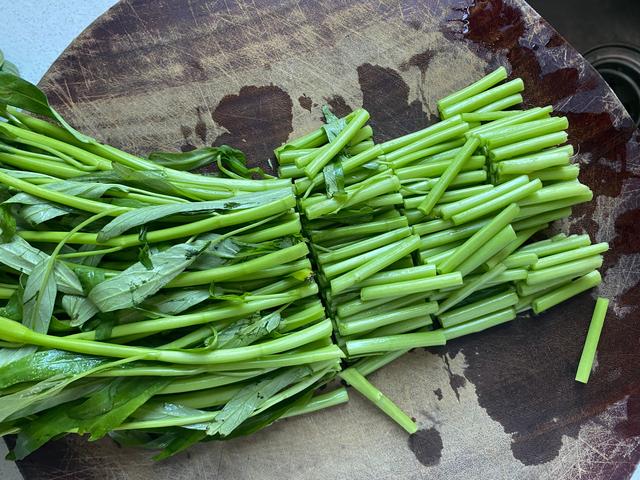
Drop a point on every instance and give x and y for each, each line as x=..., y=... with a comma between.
x=164, y=307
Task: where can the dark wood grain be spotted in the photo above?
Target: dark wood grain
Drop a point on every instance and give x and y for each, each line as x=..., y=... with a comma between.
x=502, y=404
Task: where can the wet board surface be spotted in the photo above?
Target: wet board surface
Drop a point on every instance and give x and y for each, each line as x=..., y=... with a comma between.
x=501, y=404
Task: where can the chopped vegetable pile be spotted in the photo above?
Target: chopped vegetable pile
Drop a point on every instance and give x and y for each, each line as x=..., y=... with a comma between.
x=163, y=307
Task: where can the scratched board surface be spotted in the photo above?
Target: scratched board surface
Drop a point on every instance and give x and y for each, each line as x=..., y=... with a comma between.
x=501, y=404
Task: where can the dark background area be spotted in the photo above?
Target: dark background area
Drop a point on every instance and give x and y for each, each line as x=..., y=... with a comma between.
x=607, y=33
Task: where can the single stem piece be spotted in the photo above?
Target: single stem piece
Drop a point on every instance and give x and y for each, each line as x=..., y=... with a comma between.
x=486, y=82
x=390, y=343
x=591, y=343
x=447, y=177
x=478, y=309
x=411, y=286
x=479, y=324
x=559, y=295
x=479, y=238
x=362, y=385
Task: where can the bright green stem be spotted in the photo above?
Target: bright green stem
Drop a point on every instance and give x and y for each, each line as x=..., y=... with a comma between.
x=214, y=314
x=486, y=82
x=43, y=166
x=591, y=343
x=559, y=295
x=390, y=343
x=447, y=177
x=521, y=237
x=318, y=161
x=543, y=218
x=356, y=305
x=490, y=116
x=411, y=286
x=448, y=197
x=359, y=230
x=368, y=365
x=171, y=233
x=450, y=235
x=465, y=178
x=527, y=146
x=544, y=207
x=434, y=169
x=572, y=268
x=478, y=309
x=428, y=154
x=501, y=104
x=497, y=203
x=405, y=326
x=363, y=246
x=69, y=200
x=240, y=270
x=553, y=246
x=555, y=157
x=455, y=127
x=15, y=332
x=479, y=324
x=399, y=275
x=520, y=259
x=571, y=255
x=381, y=186
x=479, y=238
x=400, y=249
x=472, y=285
x=518, y=118
x=320, y=402
x=479, y=100
x=503, y=238
x=525, y=290
x=366, y=323
x=557, y=191
x=362, y=385
x=448, y=211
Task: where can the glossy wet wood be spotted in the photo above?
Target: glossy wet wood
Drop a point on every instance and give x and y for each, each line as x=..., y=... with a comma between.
x=500, y=404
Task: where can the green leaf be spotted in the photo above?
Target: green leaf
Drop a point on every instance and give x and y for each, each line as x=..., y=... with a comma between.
x=20, y=255
x=163, y=410
x=334, y=181
x=46, y=364
x=13, y=308
x=264, y=419
x=143, y=216
x=191, y=160
x=80, y=309
x=101, y=412
x=150, y=180
x=10, y=67
x=227, y=251
x=249, y=399
x=173, y=302
x=39, y=297
x=19, y=93
x=334, y=125
x=35, y=210
x=233, y=163
x=133, y=285
x=7, y=224
x=247, y=331
x=180, y=440
x=144, y=257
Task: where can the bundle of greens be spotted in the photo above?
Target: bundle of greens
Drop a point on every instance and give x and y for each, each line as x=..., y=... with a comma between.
x=164, y=307
x=423, y=238
x=143, y=301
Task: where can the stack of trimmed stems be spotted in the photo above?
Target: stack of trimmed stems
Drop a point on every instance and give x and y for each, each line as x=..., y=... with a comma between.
x=424, y=238
x=189, y=298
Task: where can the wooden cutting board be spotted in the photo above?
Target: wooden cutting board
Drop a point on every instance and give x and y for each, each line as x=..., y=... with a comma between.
x=161, y=74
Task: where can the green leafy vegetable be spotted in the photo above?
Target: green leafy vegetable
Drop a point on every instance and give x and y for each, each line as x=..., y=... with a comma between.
x=136, y=283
